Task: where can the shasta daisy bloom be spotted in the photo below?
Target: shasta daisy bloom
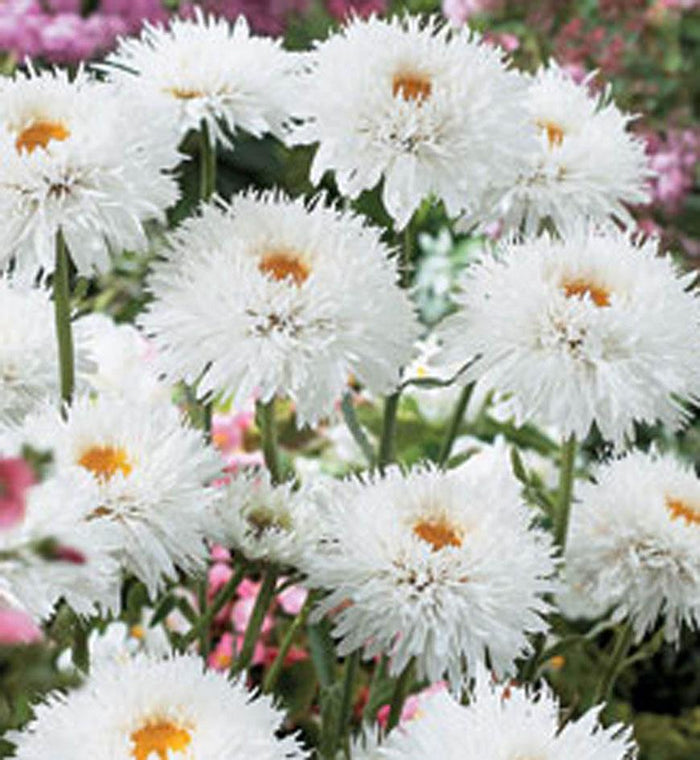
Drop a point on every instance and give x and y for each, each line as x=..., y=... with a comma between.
x=270, y=296
x=28, y=355
x=51, y=515
x=150, y=473
x=72, y=159
x=505, y=723
x=431, y=111
x=633, y=542
x=585, y=162
x=263, y=521
x=416, y=566
x=147, y=709
x=593, y=328
x=205, y=69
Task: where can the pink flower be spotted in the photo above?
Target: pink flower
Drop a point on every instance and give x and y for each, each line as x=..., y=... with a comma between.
x=412, y=705
x=16, y=476
x=292, y=599
x=16, y=627
x=460, y=11
x=341, y=9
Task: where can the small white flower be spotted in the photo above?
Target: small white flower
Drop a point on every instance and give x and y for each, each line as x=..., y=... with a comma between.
x=442, y=567
x=270, y=296
x=71, y=158
x=634, y=542
x=123, y=360
x=262, y=521
x=586, y=163
x=150, y=476
x=590, y=329
x=431, y=111
x=505, y=723
x=205, y=69
x=145, y=709
x=58, y=509
x=28, y=351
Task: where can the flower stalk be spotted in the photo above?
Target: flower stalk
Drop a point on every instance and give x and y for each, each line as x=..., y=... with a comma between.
x=64, y=332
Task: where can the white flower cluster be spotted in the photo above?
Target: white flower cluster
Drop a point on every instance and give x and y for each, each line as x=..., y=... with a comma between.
x=572, y=321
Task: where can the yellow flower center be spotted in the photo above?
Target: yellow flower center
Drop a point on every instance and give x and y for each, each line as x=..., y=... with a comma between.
x=439, y=533
x=160, y=738
x=182, y=93
x=281, y=264
x=39, y=134
x=412, y=87
x=681, y=509
x=580, y=288
x=105, y=461
x=555, y=133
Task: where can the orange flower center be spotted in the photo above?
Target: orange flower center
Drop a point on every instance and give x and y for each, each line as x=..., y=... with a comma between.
x=105, y=461
x=39, y=134
x=438, y=533
x=281, y=265
x=555, y=134
x=683, y=510
x=415, y=87
x=160, y=738
x=181, y=93
x=580, y=288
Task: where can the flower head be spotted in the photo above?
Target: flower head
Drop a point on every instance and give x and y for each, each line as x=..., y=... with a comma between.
x=590, y=329
x=416, y=565
x=274, y=297
x=432, y=112
x=72, y=160
x=633, y=542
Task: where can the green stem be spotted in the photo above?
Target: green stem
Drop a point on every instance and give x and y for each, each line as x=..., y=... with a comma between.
x=378, y=676
x=207, y=163
x=455, y=424
x=268, y=431
x=262, y=605
x=566, y=486
x=225, y=594
x=352, y=666
x=387, y=444
x=403, y=687
x=355, y=428
x=273, y=674
x=623, y=644
x=64, y=334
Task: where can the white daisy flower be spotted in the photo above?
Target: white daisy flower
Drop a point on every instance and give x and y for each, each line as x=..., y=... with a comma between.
x=430, y=110
x=28, y=351
x=633, y=542
x=151, y=474
x=124, y=361
x=505, y=723
x=57, y=510
x=206, y=69
x=71, y=158
x=263, y=521
x=415, y=566
x=586, y=163
x=146, y=709
x=590, y=329
x=273, y=297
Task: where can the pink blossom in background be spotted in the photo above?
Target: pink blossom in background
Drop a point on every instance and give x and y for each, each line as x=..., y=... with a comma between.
x=509, y=42
x=412, y=705
x=292, y=599
x=673, y=157
x=341, y=9
x=16, y=476
x=264, y=16
x=229, y=435
x=16, y=627
x=460, y=11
